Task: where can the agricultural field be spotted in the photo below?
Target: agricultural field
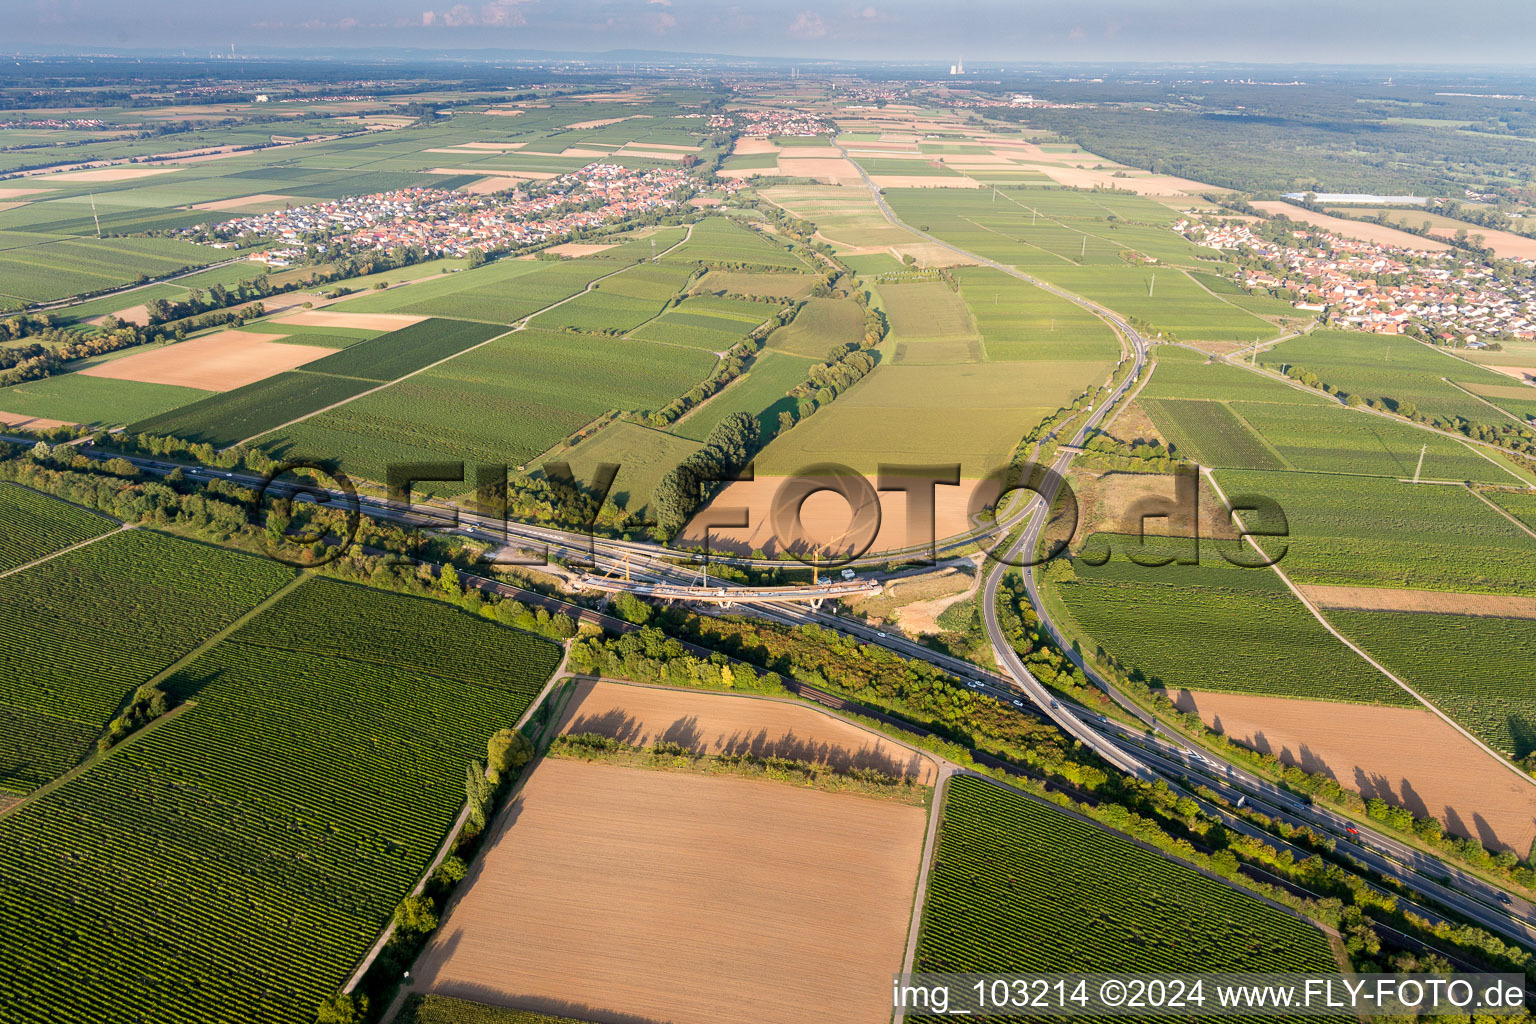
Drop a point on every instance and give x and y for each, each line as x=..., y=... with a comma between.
x=503, y=403
x=1520, y=504
x=158, y=596
x=763, y=392
x=1071, y=240
x=780, y=285
x=33, y=524
x=972, y=413
x=846, y=217
x=97, y=401
x=619, y=304
x=822, y=326
x=1361, y=746
x=1021, y=322
x=720, y=241
x=1211, y=434
x=926, y=311
x=1015, y=882
x=1374, y=532
x=443, y=1010
x=644, y=455
x=708, y=322
x=1392, y=367
x=393, y=355
x=37, y=266
x=500, y=293
x=593, y=849
x=233, y=416
x=303, y=812
x=1174, y=626
x=1474, y=668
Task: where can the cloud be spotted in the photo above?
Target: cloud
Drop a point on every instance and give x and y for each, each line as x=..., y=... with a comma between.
x=1077, y=34
x=808, y=25
x=660, y=3
x=662, y=23
x=496, y=14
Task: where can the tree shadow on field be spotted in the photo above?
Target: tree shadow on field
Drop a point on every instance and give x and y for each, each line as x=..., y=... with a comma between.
x=838, y=758
x=613, y=723
x=685, y=733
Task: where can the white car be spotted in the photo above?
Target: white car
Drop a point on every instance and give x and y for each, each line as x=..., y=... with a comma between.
x=880, y=635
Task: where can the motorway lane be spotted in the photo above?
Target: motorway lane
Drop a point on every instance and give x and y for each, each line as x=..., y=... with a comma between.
x=1504, y=919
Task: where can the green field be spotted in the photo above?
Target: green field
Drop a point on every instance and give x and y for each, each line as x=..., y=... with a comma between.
x=763, y=392
x=1391, y=367
x=1078, y=241
x=393, y=355
x=821, y=326
x=503, y=403
x=500, y=293
x=1018, y=886
x=722, y=241
x=1364, y=532
x=971, y=413
x=1019, y=321
x=643, y=455
x=235, y=863
x=1474, y=668
x=228, y=418
x=111, y=615
x=41, y=266
x=33, y=525
x=925, y=311
x=1216, y=627
x=1210, y=433
x=97, y=401
x=447, y=1010
x=780, y=285
x=708, y=322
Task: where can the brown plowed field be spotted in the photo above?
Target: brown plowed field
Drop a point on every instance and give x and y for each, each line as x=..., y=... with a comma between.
x=363, y=321
x=826, y=518
x=1406, y=756
x=621, y=894
x=25, y=421
x=716, y=723
x=218, y=362
x=1387, y=599
x=1377, y=233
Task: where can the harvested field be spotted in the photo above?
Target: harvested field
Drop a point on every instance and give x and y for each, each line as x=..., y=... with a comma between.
x=503, y=111
x=1389, y=599
x=485, y=186
x=217, y=362
x=578, y=248
x=1406, y=756
x=650, y=894
x=833, y=169
x=1377, y=233
x=724, y=723
x=600, y=123
x=585, y=153
x=6, y=192
x=497, y=172
x=748, y=147
x=1141, y=184
x=262, y=202
x=916, y=602
x=931, y=254
x=653, y=154
x=924, y=181
x=22, y=421
x=366, y=321
x=826, y=518
x=114, y=173
x=132, y=315
x=1522, y=373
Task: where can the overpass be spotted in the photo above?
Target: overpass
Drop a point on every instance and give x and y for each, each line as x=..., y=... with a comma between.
x=813, y=594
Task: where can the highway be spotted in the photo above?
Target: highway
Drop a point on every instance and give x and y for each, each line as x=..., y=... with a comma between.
x=1147, y=757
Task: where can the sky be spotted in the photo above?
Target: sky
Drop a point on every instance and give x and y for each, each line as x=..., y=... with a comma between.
x=1328, y=31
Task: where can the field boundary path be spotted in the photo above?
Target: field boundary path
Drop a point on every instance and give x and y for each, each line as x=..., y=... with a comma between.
x=73, y=547
x=96, y=757
x=1347, y=642
x=512, y=328
x=920, y=896
x=558, y=676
